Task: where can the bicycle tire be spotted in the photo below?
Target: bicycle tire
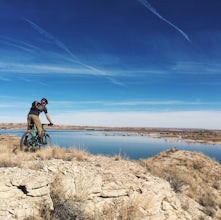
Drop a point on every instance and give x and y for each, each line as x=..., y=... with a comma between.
x=26, y=143
x=46, y=140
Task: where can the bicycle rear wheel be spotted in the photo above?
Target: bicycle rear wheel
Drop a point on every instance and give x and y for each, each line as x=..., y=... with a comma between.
x=26, y=141
x=46, y=139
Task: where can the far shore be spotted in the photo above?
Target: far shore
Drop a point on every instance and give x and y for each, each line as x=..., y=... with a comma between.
x=173, y=134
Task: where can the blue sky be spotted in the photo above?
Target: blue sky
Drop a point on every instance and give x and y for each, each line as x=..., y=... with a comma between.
x=154, y=63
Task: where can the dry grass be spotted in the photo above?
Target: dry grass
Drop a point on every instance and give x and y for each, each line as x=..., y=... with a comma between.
x=120, y=156
x=74, y=207
x=123, y=209
x=67, y=208
x=62, y=207
x=13, y=159
x=8, y=158
x=193, y=174
x=61, y=153
x=117, y=157
x=11, y=156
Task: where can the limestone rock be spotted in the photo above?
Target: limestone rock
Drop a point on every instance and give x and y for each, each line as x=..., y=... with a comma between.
x=96, y=188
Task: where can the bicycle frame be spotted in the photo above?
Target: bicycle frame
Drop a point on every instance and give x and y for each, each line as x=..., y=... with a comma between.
x=30, y=139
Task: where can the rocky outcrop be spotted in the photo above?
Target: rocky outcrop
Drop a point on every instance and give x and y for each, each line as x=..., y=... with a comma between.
x=55, y=183
x=97, y=187
x=22, y=192
x=193, y=176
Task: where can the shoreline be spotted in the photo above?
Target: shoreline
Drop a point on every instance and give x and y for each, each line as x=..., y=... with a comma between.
x=203, y=136
x=195, y=141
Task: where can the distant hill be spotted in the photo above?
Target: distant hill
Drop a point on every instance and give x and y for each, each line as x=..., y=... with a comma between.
x=189, y=135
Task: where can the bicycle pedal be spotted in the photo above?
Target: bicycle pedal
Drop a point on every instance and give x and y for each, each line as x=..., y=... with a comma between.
x=32, y=149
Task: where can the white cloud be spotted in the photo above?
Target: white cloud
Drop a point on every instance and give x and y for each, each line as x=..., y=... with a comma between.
x=158, y=102
x=133, y=103
x=176, y=119
x=8, y=67
x=7, y=106
x=4, y=79
x=182, y=119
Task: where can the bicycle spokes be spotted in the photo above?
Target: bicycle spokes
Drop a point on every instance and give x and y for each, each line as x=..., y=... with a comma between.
x=30, y=141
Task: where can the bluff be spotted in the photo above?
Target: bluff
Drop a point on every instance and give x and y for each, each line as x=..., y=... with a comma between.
x=54, y=183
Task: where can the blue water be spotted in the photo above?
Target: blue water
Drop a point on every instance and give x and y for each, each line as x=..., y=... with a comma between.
x=113, y=143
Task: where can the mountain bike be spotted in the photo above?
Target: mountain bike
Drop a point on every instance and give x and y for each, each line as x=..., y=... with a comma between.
x=30, y=139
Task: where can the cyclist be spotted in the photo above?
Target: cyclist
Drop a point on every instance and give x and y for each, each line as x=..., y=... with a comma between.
x=33, y=116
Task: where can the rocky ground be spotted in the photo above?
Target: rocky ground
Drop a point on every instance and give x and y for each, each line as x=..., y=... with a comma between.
x=59, y=184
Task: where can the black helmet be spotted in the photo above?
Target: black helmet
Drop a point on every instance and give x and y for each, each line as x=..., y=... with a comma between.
x=44, y=101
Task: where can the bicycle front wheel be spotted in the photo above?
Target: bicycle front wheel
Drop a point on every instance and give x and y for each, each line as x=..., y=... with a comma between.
x=26, y=141
x=46, y=139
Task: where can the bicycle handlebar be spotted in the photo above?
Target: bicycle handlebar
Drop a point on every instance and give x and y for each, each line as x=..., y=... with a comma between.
x=50, y=124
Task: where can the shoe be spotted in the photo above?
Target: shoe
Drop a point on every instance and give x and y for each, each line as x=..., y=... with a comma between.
x=40, y=142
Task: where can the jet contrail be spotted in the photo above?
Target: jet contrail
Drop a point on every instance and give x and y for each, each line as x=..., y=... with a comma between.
x=64, y=47
x=51, y=37
x=146, y=4
x=18, y=44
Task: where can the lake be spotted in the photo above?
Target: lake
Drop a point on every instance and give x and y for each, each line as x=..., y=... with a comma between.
x=123, y=143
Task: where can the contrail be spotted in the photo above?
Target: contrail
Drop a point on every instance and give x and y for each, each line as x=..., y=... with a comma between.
x=18, y=44
x=64, y=47
x=51, y=37
x=116, y=82
x=146, y=4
